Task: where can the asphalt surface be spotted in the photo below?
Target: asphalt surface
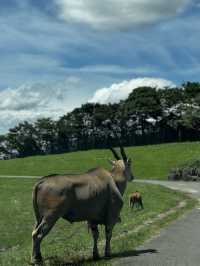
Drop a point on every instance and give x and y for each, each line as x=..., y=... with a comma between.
x=176, y=245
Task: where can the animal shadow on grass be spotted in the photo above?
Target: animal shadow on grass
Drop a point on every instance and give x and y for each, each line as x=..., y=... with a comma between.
x=57, y=261
x=132, y=253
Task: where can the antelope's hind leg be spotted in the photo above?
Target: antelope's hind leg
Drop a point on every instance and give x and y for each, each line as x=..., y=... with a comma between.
x=108, y=233
x=141, y=204
x=113, y=216
x=95, y=234
x=37, y=235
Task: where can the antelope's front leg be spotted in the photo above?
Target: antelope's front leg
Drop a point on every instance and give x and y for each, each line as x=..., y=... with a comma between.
x=95, y=234
x=108, y=233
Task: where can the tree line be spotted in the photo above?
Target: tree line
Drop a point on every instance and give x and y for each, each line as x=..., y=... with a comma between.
x=147, y=116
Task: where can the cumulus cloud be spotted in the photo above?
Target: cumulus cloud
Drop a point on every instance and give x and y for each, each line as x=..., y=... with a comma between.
x=117, y=14
x=28, y=97
x=30, y=102
x=120, y=91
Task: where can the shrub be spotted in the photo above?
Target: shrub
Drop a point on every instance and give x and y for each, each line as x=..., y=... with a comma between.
x=187, y=172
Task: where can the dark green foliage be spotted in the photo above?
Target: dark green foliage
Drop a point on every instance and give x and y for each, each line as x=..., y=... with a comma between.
x=144, y=101
x=148, y=116
x=192, y=89
x=171, y=97
x=22, y=139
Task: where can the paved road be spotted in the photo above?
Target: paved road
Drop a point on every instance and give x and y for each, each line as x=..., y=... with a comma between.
x=178, y=244
x=191, y=187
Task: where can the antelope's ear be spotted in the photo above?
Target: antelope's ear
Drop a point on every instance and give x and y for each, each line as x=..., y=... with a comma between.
x=111, y=162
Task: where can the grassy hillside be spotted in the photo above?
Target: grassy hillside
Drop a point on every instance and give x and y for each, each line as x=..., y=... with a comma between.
x=67, y=242
x=153, y=161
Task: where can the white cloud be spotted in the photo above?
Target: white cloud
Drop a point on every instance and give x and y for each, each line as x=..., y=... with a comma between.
x=114, y=69
x=120, y=91
x=118, y=14
x=30, y=102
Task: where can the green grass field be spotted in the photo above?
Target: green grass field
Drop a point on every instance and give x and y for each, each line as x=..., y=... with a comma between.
x=72, y=243
x=153, y=161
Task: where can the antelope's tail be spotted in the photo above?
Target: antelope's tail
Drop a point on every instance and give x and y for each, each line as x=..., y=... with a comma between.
x=35, y=205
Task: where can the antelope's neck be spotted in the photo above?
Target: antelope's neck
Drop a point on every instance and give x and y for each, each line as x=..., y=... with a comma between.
x=120, y=180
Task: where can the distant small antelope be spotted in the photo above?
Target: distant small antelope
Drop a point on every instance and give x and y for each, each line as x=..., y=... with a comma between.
x=136, y=199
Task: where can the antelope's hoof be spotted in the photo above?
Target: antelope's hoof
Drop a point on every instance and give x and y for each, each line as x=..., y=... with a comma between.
x=38, y=264
x=107, y=255
x=96, y=256
x=37, y=261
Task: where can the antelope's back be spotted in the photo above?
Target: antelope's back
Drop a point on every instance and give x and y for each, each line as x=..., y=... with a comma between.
x=78, y=197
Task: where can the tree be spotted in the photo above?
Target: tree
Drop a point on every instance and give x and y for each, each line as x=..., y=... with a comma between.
x=144, y=100
x=46, y=135
x=192, y=89
x=22, y=139
x=170, y=97
x=144, y=105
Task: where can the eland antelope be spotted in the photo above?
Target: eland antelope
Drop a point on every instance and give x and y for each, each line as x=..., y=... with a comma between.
x=95, y=197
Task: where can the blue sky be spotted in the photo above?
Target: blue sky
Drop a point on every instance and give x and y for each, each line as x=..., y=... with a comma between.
x=58, y=55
